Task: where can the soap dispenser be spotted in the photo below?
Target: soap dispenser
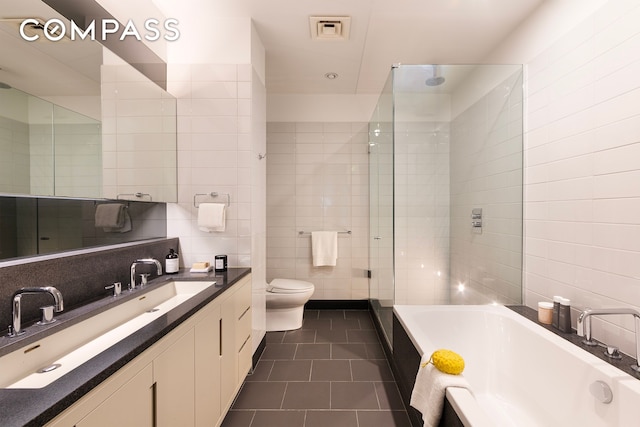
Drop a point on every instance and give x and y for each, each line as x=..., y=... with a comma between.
x=172, y=264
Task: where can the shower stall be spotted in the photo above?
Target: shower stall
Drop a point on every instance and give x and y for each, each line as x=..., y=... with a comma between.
x=445, y=176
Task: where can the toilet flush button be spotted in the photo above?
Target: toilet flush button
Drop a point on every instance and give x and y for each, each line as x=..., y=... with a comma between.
x=601, y=391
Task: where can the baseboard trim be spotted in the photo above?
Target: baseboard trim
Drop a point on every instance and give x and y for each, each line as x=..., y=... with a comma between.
x=258, y=353
x=321, y=304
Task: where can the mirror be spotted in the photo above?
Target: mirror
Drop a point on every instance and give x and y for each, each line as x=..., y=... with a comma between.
x=47, y=149
x=77, y=120
x=43, y=225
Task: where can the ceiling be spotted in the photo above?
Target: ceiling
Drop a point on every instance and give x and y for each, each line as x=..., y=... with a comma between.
x=44, y=68
x=383, y=32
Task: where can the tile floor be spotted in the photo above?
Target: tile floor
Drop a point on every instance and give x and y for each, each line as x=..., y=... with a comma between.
x=331, y=372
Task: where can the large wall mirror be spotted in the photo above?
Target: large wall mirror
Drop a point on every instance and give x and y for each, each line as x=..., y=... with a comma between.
x=78, y=121
x=79, y=127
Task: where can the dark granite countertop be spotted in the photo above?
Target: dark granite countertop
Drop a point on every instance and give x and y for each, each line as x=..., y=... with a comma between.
x=623, y=364
x=35, y=407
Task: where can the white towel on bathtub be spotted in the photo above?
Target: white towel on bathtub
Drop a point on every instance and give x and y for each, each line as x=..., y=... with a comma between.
x=429, y=391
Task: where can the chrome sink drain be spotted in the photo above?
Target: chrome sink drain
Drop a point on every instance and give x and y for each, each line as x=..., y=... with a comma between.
x=48, y=368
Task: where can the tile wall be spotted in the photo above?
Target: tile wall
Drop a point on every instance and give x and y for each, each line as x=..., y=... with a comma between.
x=317, y=179
x=14, y=162
x=138, y=134
x=582, y=180
x=421, y=211
x=221, y=130
x=486, y=173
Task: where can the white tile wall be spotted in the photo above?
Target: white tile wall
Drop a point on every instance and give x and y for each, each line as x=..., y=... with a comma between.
x=582, y=212
x=486, y=173
x=317, y=179
x=218, y=147
x=421, y=211
x=14, y=162
x=138, y=135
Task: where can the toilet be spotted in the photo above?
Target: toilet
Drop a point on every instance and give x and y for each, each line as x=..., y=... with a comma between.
x=285, y=303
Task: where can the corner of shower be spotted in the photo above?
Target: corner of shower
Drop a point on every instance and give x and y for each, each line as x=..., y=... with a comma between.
x=444, y=142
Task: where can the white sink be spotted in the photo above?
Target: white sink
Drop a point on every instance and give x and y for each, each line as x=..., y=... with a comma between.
x=76, y=344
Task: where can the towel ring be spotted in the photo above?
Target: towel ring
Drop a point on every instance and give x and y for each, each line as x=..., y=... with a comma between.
x=212, y=194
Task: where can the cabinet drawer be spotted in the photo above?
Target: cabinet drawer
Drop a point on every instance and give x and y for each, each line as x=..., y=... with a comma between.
x=244, y=359
x=242, y=299
x=243, y=329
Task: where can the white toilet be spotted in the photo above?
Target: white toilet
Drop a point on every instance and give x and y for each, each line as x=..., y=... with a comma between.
x=285, y=303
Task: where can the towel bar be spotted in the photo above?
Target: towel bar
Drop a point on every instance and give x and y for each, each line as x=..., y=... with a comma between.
x=212, y=194
x=308, y=232
x=138, y=195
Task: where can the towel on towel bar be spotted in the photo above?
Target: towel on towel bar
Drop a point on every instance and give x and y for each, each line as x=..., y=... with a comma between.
x=112, y=218
x=324, y=248
x=429, y=391
x=212, y=217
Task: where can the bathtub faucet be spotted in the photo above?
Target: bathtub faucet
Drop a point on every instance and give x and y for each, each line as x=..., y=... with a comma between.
x=583, y=327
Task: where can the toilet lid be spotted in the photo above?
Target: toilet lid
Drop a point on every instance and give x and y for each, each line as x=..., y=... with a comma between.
x=289, y=286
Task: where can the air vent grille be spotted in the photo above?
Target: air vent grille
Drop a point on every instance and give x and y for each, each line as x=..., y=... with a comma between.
x=329, y=27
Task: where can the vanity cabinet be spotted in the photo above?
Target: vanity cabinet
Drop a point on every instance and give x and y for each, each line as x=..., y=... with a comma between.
x=132, y=404
x=188, y=378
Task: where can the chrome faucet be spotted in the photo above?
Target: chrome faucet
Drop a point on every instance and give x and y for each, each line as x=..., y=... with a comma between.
x=132, y=284
x=583, y=328
x=16, y=305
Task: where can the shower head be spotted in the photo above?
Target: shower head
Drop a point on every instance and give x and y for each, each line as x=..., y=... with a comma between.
x=436, y=79
x=4, y=86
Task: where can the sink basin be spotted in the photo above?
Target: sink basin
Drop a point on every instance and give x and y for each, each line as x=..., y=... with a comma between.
x=40, y=363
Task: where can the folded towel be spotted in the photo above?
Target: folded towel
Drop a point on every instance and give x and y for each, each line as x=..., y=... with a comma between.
x=110, y=215
x=126, y=225
x=429, y=391
x=211, y=217
x=324, y=247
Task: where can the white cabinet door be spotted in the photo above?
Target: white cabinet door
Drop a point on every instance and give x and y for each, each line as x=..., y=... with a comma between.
x=207, y=360
x=131, y=405
x=174, y=373
x=228, y=355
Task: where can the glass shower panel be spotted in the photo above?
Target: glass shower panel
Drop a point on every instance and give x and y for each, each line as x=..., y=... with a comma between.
x=446, y=144
x=381, y=259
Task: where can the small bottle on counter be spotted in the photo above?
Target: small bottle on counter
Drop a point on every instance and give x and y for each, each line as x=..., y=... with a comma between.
x=556, y=311
x=172, y=263
x=545, y=312
x=220, y=263
x=564, y=316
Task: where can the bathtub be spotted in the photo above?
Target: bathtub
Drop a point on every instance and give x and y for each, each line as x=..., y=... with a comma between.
x=520, y=373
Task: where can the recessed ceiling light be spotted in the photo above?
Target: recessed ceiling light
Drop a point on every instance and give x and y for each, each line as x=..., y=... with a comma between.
x=331, y=76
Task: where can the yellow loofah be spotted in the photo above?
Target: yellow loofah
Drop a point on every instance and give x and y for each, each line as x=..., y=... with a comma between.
x=447, y=361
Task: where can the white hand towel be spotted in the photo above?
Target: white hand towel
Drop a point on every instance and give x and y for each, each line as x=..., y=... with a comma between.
x=126, y=226
x=110, y=215
x=212, y=217
x=324, y=247
x=429, y=391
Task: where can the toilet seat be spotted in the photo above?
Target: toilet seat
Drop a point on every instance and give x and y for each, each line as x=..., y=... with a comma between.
x=289, y=286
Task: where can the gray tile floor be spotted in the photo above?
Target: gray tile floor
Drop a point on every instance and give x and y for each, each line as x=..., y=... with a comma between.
x=331, y=372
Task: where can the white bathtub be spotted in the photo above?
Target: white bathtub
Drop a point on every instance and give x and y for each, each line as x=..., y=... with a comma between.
x=520, y=373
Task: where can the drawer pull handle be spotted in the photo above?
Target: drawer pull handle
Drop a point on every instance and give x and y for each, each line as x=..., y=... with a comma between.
x=244, y=312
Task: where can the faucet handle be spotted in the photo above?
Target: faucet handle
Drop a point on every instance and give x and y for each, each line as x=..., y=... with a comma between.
x=117, y=288
x=144, y=277
x=612, y=352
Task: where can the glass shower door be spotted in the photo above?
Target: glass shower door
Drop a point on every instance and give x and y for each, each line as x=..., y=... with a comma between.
x=381, y=256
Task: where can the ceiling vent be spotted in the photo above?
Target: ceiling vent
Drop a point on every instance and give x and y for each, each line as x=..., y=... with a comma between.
x=330, y=27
